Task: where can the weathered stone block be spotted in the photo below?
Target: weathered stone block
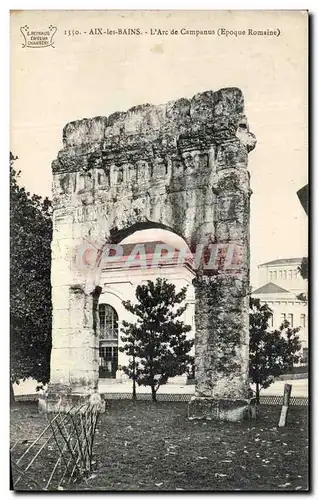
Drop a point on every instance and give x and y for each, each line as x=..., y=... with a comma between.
x=61, y=338
x=60, y=319
x=86, y=130
x=60, y=296
x=202, y=107
x=59, y=398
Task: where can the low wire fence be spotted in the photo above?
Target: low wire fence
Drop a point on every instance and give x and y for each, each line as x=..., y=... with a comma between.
x=265, y=400
x=278, y=400
x=60, y=455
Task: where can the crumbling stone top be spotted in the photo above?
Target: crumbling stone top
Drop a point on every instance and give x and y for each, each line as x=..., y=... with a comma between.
x=173, y=128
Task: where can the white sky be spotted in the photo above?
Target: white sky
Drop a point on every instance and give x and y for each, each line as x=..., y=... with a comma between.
x=85, y=77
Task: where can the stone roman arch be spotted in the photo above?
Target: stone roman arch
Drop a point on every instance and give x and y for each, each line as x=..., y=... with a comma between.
x=180, y=166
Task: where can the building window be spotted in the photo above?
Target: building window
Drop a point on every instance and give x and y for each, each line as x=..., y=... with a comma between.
x=290, y=319
x=283, y=317
x=108, y=352
x=305, y=356
x=271, y=321
x=290, y=274
x=270, y=275
x=285, y=275
x=295, y=274
x=108, y=361
x=280, y=275
x=303, y=320
x=108, y=320
x=274, y=275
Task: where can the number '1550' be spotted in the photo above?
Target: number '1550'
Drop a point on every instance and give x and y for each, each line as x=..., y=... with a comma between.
x=71, y=32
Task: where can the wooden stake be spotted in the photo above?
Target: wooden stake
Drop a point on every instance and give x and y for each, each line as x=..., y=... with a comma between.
x=284, y=411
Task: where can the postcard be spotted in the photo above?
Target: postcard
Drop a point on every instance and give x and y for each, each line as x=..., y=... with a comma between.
x=159, y=250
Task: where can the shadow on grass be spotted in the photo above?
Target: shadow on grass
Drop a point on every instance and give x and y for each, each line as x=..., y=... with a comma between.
x=153, y=446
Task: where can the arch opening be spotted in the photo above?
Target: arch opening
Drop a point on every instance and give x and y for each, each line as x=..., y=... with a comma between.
x=118, y=235
x=121, y=280
x=156, y=235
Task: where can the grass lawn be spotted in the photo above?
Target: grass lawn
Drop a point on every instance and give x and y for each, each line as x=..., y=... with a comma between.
x=152, y=446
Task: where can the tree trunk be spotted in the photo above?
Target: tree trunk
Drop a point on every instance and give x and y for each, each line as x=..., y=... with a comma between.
x=153, y=393
x=257, y=393
x=152, y=380
x=12, y=398
x=134, y=395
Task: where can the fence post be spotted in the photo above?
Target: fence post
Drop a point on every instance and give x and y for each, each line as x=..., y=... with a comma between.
x=284, y=411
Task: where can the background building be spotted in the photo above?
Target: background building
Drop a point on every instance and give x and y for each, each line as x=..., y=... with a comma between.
x=119, y=280
x=281, y=286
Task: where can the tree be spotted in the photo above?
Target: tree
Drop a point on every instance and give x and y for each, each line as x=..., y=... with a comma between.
x=272, y=352
x=30, y=286
x=157, y=341
x=303, y=271
x=303, y=268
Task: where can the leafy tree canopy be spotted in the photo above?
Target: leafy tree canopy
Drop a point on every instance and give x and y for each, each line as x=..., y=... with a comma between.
x=303, y=268
x=30, y=286
x=272, y=352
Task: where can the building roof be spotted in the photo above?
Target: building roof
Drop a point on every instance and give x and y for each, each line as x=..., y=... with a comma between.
x=270, y=288
x=148, y=253
x=282, y=262
x=148, y=247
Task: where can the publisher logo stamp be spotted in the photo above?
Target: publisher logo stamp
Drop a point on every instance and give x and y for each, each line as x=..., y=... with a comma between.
x=38, y=39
